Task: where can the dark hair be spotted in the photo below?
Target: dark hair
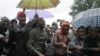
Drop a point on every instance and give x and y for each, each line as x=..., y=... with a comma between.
x=81, y=27
x=87, y=29
x=54, y=23
x=96, y=29
x=14, y=20
x=40, y=20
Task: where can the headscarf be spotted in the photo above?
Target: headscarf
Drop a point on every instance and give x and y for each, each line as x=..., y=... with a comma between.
x=64, y=24
x=21, y=14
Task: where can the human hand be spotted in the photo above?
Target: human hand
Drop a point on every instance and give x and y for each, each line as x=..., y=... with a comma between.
x=64, y=45
x=96, y=49
x=41, y=55
x=1, y=36
x=5, y=51
x=78, y=47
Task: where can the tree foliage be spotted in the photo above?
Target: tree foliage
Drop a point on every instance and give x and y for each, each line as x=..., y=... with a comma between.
x=81, y=5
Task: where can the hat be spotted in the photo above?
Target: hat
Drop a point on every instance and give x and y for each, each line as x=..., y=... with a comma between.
x=21, y=14
x=65, y=24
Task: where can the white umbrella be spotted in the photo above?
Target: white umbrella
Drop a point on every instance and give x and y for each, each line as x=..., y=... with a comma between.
x=90, y=17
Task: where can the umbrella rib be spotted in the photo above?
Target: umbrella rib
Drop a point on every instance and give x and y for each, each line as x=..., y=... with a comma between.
x=36, y=5
x=41, y=4
x=29, y=3
x=55, y=4
x=19, y=3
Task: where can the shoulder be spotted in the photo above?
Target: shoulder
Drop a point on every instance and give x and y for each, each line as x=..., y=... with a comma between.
x=57, y=31
x=74, y=38
x=15, y=27
x=33, y=30
x=30, y=22
x=70, y=35
x=88, y=36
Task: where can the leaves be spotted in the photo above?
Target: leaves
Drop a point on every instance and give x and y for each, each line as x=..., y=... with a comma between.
x=81, y=5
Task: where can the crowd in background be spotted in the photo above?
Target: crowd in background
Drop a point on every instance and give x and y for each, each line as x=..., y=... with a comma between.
x=35, y=38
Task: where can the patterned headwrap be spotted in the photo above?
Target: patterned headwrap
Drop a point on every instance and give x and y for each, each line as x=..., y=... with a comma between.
x=64, y=24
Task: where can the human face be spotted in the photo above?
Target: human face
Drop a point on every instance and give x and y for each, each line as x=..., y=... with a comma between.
x=6, y=23
x=66, y=29
x=41, y=23
x=96, y=32
x=14, y=23
x=22, y=20
x=82, y=32
x=90, y=30
x=36, y=17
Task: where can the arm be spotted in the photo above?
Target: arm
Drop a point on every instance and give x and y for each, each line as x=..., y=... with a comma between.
x=96, y=49
x=11, y=38
x=92, y=49
x=73, y=44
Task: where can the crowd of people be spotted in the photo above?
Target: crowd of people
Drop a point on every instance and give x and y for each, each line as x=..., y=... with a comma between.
x=35, y=38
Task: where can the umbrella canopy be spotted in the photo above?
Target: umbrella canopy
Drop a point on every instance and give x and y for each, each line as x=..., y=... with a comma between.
x=41, y=13
x=90, y=17
x=38, y=4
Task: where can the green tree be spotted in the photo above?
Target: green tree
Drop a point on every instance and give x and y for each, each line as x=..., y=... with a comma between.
x=81, y=5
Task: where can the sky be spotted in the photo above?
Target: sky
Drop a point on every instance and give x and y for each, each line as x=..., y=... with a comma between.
x=8, y=8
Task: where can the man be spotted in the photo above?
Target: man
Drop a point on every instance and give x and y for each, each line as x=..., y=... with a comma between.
x=37, y=39
x=77, y=42
x=17, y=39
x=92, y=43
x=4, y=32
x=61, y=40
x=4, y=25
x=32, y=24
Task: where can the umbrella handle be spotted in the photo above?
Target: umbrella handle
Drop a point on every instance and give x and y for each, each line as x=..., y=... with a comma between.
x=35, y=11
x=36, y=7
x=24, y=9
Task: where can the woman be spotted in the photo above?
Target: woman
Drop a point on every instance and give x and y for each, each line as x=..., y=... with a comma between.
x=92, y=43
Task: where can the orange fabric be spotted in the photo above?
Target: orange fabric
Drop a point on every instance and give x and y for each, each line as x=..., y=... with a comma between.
x=64, y=24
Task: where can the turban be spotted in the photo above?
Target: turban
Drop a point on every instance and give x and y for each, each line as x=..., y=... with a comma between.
x=21, y=14
x=64, y=24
